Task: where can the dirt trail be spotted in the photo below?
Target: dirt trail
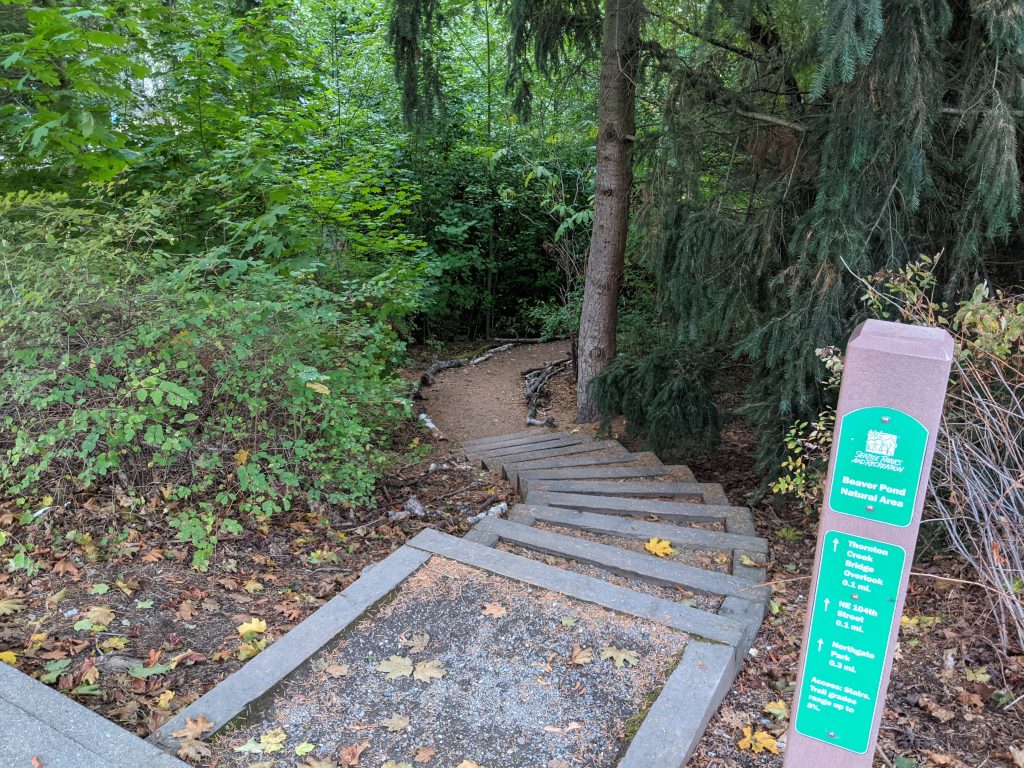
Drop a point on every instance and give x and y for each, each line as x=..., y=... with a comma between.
x=487, y=399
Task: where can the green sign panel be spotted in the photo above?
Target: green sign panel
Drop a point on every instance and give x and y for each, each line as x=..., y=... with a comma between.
x=877, y=470
x=848, y=643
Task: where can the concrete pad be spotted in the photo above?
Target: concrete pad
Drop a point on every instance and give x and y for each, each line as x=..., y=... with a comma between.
x=37, y=721
x=230, y=697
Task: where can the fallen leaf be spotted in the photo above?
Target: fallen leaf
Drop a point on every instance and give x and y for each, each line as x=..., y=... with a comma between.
x=494, y=610
x=568, y=621
x=659, y=547
x=777, y=708
x=468, y=764
x=758, y=742
x=1018, y=756
x=620, y=656
x=194, y=728
x=314, y=762
x=316, y=386
x=241, y=457
x=251, y=747
x=273, y=740
x=396, y=667
x=557, y=762
x=350, y=754
x=186, y=610
x=573, y=726
x=252, y=586
x=750, y=562
x=415, y=641
x=581, y=656
x=979, y=675
x=9, y=657
x=36, y=762
x=424, y=754
x=394, y=763
x=396, y=723
x=304, y=748
x=428, y=670
x=336, y=670
x=252, y=627
x=100, y=614
x=190, y=749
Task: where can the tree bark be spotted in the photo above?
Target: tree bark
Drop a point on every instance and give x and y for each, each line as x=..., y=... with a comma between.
x=613, y=182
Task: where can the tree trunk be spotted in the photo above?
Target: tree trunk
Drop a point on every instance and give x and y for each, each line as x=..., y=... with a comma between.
x=614, y=178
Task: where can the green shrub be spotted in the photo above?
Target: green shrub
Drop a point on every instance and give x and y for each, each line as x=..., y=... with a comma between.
x=234, y=391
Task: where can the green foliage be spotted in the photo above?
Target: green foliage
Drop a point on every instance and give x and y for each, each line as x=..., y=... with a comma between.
x=254, y=398
x=666, y=395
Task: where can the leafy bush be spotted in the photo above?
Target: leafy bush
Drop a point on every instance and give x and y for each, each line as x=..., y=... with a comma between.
x=226, y=391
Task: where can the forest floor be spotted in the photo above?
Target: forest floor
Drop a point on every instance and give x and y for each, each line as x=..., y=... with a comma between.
x=105, y=606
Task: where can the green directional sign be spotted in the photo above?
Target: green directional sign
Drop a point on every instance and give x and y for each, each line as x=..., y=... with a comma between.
x=877, y=469
x=851, y=622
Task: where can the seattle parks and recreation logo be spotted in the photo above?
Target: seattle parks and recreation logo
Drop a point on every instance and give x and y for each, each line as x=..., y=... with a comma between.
x=880, y=443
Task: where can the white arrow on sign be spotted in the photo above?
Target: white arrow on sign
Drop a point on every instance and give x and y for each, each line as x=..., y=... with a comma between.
x=820, y=643
x=835, y=544
x=827, y=601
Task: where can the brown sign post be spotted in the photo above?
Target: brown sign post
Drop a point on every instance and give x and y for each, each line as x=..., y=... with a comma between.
x=894, y=384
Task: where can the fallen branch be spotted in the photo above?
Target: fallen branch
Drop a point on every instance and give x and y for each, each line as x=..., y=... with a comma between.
x=536, y=381
x=430, y=375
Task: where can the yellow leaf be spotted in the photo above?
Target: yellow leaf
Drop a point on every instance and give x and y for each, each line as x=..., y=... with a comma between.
x=316, y=386
x=777, y=708
x=758, y=742
x=273, y=740
x=241, y=457
x=255, y=627
x=304, y=748
x=620, y=656
x=659, y=547
x=163, y=701
x=9, y=657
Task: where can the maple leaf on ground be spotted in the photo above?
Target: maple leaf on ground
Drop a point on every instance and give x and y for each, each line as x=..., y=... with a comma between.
x=1018, y=756
x=428, y=670
x=777, y=708
x=396, y=667
x=620, y=656
x=186, y=610
x=313, y=762
x=494, y=610
x=424, y=754
x=194, y=728
x=191, y=749
x=252, y=627
x=414, y=641
x=468, y=764
x=581, y=656
x=758, y=742
x=304, y=748
x=659, y=547
x=100, y=614
x=336, y=670
x=9, y=657
x=350, y=754
x=9, y=605
x=396, y=764
x=396, y=723
x=273, y=740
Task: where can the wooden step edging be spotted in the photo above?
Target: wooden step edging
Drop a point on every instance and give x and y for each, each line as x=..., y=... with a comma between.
x=512, y=469
x=709, y=493
x=610, y=446
x=490, y=531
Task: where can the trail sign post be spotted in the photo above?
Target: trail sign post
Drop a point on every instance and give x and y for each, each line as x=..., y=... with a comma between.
x=894, y=384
